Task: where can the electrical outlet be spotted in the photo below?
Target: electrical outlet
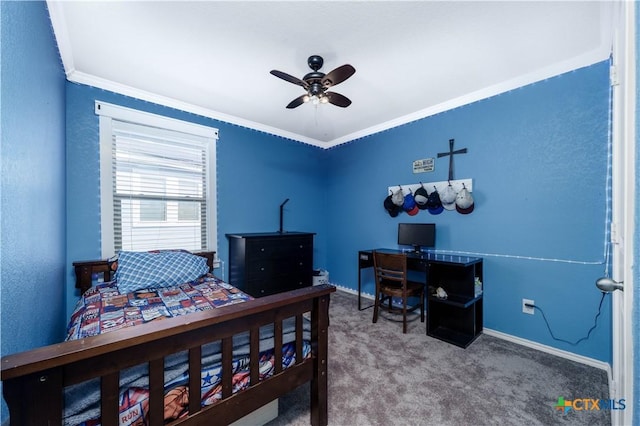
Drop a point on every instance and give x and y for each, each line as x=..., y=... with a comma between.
x=526, y=309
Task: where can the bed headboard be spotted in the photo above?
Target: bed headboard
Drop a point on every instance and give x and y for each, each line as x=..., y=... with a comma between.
x=86, y=269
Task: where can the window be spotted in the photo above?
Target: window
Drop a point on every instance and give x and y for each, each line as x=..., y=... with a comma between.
x=157, y=182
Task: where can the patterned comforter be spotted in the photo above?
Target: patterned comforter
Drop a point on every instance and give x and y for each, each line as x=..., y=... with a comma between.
x=103, y=309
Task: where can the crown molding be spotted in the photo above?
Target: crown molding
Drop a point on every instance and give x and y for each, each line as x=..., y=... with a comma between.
x=90, y=80
x=542, y=74
x=488, y=92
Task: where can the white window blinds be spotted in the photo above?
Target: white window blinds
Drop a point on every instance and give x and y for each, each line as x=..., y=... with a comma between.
x=159, y=184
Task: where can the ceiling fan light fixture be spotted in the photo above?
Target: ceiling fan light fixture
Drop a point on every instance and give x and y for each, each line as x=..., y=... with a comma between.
x=316, y=99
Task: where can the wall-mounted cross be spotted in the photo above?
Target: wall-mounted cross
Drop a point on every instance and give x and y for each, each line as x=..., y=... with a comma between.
x=451, y=154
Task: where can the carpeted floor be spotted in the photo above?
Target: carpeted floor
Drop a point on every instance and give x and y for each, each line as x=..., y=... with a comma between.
x=378, y=376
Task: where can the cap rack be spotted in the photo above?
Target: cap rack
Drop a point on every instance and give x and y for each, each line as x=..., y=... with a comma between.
x=457, y=185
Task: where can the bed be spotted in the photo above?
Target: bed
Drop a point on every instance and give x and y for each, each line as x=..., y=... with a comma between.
x=258, y=349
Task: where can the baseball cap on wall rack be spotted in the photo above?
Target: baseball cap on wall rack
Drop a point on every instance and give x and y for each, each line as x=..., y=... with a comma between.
x=391, y=208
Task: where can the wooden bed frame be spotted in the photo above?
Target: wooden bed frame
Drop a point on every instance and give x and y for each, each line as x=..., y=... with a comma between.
x=34, y=381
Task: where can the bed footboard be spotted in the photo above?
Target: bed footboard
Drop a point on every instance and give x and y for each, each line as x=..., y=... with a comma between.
x=34, y=381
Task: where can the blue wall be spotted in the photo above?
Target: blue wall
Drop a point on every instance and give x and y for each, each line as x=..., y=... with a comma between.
x=256, y=172
x=537, y=156
x=32, y=211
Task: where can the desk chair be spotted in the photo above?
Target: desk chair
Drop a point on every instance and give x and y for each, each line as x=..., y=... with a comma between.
x=391, y=281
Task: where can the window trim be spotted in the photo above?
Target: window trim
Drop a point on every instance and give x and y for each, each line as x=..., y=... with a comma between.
x=109, y=112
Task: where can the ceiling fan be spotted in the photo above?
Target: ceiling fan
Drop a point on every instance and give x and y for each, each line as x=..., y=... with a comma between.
x=317, y=83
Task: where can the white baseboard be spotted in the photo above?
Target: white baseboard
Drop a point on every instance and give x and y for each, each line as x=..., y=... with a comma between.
x=551, y=350
x=367, y=296
x=352, y=291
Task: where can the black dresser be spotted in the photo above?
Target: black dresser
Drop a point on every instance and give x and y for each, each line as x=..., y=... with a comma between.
x=266, y=263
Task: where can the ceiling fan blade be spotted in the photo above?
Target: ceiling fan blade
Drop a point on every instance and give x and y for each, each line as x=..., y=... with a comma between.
x=290, y=78
x=338, y=99
x=296, y=102
x=338, y=75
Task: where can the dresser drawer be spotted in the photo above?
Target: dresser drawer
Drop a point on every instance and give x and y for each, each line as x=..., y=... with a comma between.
x=276, y=248
x=269, y=267
x=260, y=288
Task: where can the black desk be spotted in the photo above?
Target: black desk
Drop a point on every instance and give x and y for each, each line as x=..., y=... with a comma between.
x=415, y=262
x=457, y=319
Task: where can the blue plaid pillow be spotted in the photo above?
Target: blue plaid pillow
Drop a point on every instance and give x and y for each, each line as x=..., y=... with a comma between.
x=140, y=270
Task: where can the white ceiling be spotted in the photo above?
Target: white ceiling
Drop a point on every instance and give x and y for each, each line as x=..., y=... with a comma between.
x=412, y=58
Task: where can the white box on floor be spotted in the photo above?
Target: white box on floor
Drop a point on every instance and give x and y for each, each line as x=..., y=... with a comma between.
x=320, y=276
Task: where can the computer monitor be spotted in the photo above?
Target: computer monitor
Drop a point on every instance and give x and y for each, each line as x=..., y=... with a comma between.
x=418, y=235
